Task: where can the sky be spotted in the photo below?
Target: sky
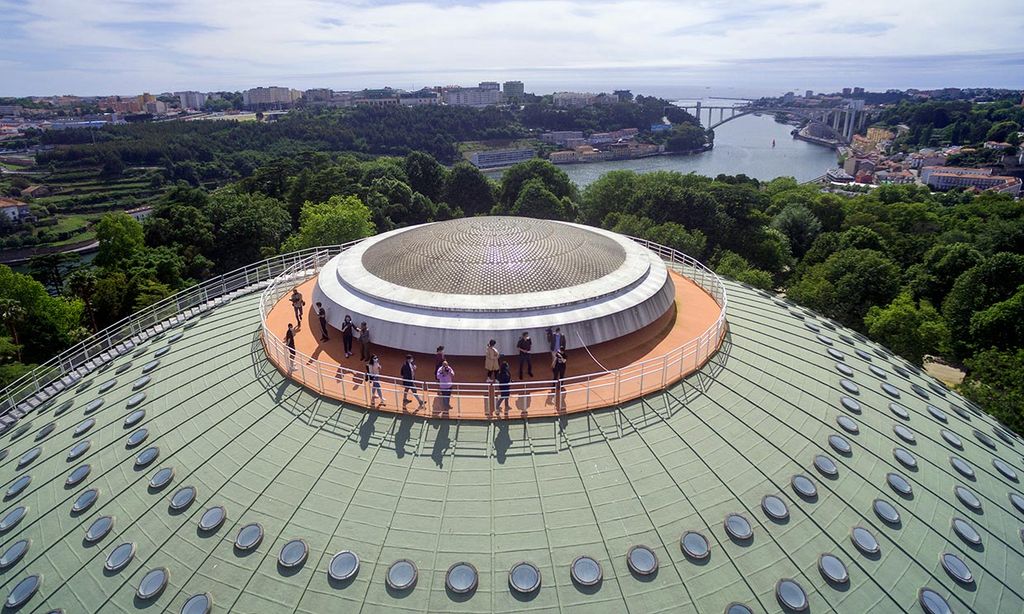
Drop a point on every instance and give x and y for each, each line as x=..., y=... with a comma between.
x=670, y=48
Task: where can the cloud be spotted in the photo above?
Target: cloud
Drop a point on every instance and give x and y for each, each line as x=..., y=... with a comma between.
x=128, y=46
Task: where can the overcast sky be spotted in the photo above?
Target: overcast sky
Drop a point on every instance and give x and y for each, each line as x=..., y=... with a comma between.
x=667, y=47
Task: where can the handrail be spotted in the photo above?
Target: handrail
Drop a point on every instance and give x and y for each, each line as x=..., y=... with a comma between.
x=68, y=366
x=594, y=387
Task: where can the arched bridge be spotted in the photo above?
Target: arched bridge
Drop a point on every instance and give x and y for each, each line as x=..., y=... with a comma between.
x=844, y=121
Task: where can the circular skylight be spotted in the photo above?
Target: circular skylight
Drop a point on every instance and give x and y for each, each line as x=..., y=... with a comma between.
x=137, y=437
x=161, y=351
x=845, y=339
x=21, y=430
x=824, y=339
x=63, y=407
x=212, y=518
x=586, y=571
x=890, y=390
x=695, y=545
x=956, y=568
x=849, y=386
x=812, y=327
x=183, y=498
x=94, y=405
x=18, y=485
x=642, y=560
x=738, y=527
x=804, y=486
x=135, y=399
x=175, y=337
x=147, y=456
x=844, y=369
x=899, y=411
x=937, y=389
x=149, y=366
x=937, y=413
x=1018, y=501
x=840, y=444
x=1002, y=434
x=933, y=603
x=120, y=556
x=12, y=518
x=99, y=529
x=106, y=386
x=962, y=467
x=343, y=566
x=249, y=536
x=524, y=577
x=899, y=483
x=952, y=439
x=738, y=608
x=905, y=458
x=23, y=591
x=774, y=507
x=153, y=583
x=862, y=355
x=77, y=475
x=886, y=511
x=826, y=465
x=850, y=404
x=966, y=531
x=836, y=354
x=864, y=540
x=967, y=497
x=878, y=372
x=904, y=433
x=84, y=426
x=461, y=578
x=401, y=575
x=847, y=424
x=293, y=553
x=79, y=449
x=133, y=418
x=197, y=604
x=797, y=315
x=791, y=595
x=919, y=391
x=984, y=439
x=27, y=458
x=14, y=553
x=833, y=569
x=161, y=478
x=85, y=500
x=46, y=430
x=960, y=411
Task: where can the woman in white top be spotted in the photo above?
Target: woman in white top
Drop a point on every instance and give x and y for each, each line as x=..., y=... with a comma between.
x=373, y=369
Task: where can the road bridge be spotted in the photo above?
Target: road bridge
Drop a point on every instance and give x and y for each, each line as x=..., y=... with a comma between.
x=844, y=121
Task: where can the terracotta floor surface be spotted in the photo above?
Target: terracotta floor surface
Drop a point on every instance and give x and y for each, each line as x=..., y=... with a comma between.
x=633, y=368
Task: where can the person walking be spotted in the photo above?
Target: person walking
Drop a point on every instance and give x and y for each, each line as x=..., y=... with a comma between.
x=557, y=340
x=558, y=368
x=289, y=340
x=491, y=356
x=373, y=371
x=297, y=305
x=446, y=379
x=505, y=386
x=438, y=358
x=347, y=328
x=321, y=313
x=408, y=381
x=525, y=346
x=364, y=342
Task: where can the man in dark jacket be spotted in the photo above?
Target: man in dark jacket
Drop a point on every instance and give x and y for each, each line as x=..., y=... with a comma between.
x=525, y=346
x=321, y=313
x=408, y=381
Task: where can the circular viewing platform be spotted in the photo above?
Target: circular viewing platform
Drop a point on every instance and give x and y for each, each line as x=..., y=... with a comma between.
x=645, y=360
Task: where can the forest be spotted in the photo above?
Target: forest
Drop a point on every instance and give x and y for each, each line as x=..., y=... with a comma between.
x=938, y=275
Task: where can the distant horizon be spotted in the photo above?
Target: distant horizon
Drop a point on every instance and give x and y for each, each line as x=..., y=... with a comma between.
x=670, y=48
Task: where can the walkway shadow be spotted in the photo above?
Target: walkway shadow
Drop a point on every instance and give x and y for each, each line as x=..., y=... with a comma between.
x=441, y=443
x=402, y=434
x=502, y=441
x=367, y=428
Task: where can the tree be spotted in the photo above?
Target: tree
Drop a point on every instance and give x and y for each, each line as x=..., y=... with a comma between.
x=337, y=221
x=908, y=327
x=82, y=283
x=686, y=137
x=535, y=200
x=244, y=226
x=12, y=314
x=426, y=175
x=847, y=284
x=800, y=227
x=49, y=323
x=995, y=381
x=552, y=178
x=984, y=285
x=731, y=264
x=612, y=191
x=120, y=237
x=469, y=189
x=50, y=269
x=1001, y=325
x=692, y=243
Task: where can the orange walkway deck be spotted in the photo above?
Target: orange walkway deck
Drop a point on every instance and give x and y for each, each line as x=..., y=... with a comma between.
x=645, y=362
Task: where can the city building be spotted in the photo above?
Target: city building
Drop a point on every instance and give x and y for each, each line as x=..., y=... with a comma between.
x=500, y=157
x=560, y=137
x=572, y=99
x=156, y=107
x=140, y=213
x=36, y=191
x=10, y=110
x=184, y=461
x=847, y=91
x=490, y=85
x=425, y=96
x=809, y=94
x=858, y=91
x=623, y=95
x=321, y=96
x=472, y=96
x=267, y=98
x=383, y=97
x=948, y=177
x=513, y=92
x=192, y=100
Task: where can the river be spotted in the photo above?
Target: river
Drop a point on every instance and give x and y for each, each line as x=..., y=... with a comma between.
x=743, y=145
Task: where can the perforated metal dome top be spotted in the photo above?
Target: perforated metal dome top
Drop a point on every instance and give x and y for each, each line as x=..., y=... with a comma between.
x=494, y=255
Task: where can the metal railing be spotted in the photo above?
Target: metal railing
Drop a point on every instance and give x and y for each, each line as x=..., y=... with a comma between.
x=468, y=399
x=68, y=367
